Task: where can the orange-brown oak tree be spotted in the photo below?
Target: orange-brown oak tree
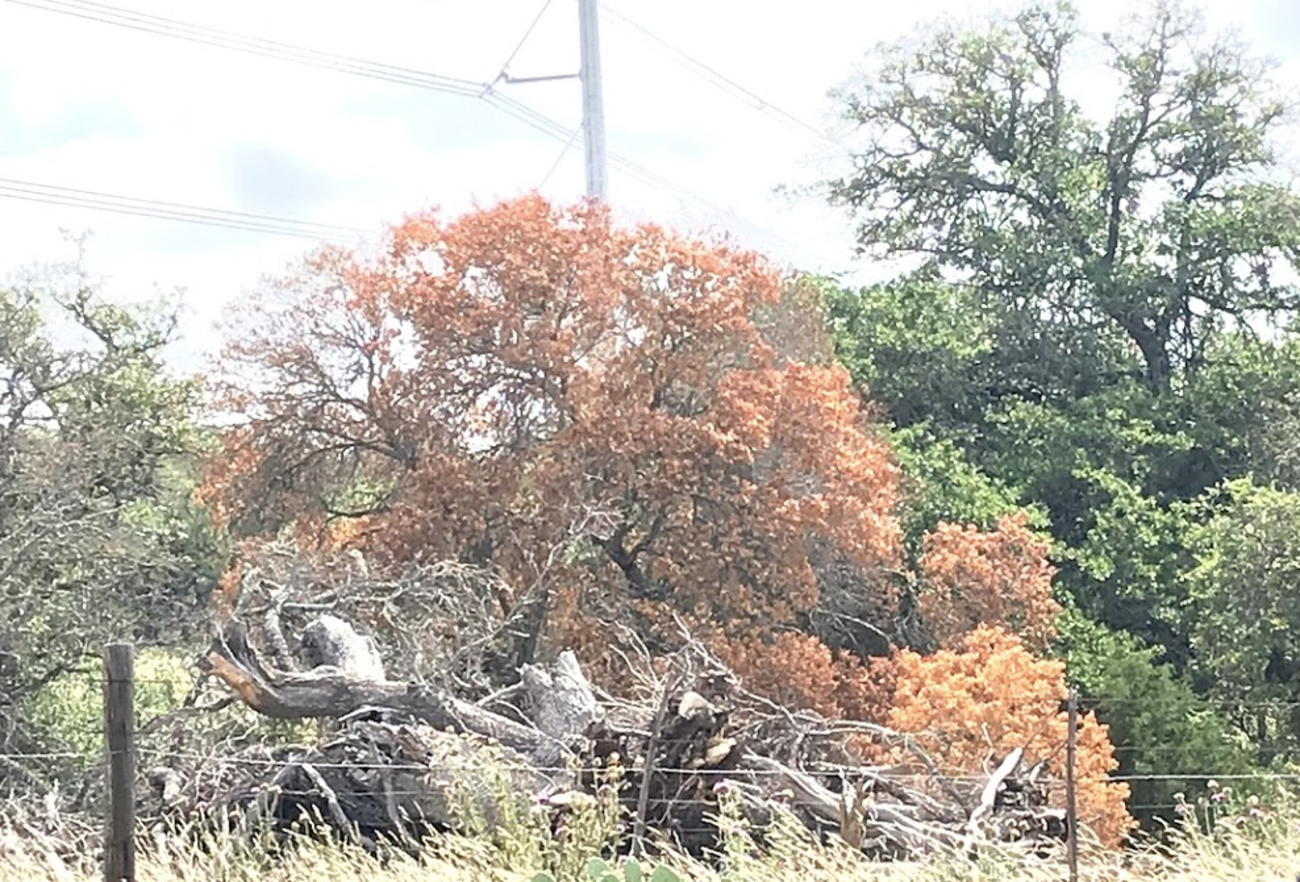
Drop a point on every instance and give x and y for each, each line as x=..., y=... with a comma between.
x=631, y=426
x=540, y=389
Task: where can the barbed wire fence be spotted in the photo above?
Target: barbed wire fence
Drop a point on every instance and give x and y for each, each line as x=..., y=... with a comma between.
x=123, y=758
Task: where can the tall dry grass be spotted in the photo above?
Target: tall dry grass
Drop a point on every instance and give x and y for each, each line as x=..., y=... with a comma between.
x=1242, y=846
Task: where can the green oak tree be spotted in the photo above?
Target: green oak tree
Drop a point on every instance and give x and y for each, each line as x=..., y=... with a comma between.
x=1078, y=276
x=1095, y=315
x=98, y=537
x=1094, y=244
x=1247, y=611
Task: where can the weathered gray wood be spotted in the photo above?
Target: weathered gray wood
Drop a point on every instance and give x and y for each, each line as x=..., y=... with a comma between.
x=276, y=644
x=330, y=693
x=560, y=699
x=119, y=740
x=418, y=765
x=989, y=795
x=652, y=748
x=894, y=822
x=329, y=641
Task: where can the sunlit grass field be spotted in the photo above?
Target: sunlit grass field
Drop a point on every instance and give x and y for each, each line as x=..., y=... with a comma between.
x=1238, y=849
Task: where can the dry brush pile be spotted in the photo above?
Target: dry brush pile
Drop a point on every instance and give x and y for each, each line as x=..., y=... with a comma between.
x=423, y=736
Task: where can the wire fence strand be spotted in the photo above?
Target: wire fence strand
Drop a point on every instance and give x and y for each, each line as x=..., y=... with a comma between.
x=298, y=755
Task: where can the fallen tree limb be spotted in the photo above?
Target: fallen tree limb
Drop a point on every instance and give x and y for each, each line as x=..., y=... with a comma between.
x=873, y=819
x=328, y=693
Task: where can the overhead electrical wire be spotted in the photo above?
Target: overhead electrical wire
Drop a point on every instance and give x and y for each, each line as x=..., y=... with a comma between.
x=568, y=145
x=560, y=132
x=47, y=194
x=528, y=32
x=160, y=26
x=719, y=80
x=556, y=130
x=157, y=25
x=167, y=27
x=633, y=169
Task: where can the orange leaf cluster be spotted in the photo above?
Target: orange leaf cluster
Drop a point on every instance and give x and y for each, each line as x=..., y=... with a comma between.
x=224, y=600
x=1002, y=577
x=973, y=704
x=236, y=458
x=798, y=670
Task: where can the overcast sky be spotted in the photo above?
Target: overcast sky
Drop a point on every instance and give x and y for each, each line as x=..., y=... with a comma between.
x=113, y=110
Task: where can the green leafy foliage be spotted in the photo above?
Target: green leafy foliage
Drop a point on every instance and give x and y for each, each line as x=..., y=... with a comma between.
x=1080, y=334
x=1125, y=569
x=915, y=346
x=1246, y=610
x=1160, y=725
x=943, y=485
x=98, y=537
x=600, y=870
x=1095, y=245
x=1245, y=406
x=69, y=711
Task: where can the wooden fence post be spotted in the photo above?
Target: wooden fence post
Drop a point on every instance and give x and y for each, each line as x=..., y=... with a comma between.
x=652, y=747
x=1071, y=808
x=119, y=741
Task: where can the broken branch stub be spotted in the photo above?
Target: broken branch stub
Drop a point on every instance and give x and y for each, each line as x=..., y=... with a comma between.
x=560, y=701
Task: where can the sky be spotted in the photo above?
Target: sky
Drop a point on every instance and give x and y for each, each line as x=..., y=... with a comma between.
x=109, y=109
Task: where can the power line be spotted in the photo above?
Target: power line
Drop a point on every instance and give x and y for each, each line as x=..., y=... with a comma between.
x=573, y=136
x=505, y=66
x=167, y=27
x=47, y=194
x=549, y=126
x=721, y=81
x=160, y=26
x=157, y=25
x=557, y=130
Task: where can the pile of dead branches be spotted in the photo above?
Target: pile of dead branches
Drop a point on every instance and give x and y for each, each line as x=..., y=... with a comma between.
x=444, y=621
x=397, y=758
